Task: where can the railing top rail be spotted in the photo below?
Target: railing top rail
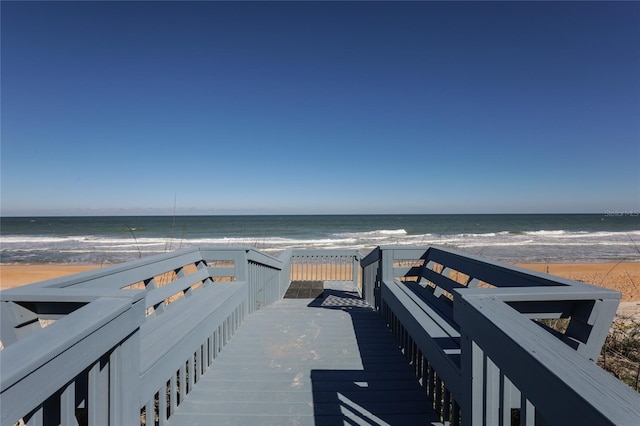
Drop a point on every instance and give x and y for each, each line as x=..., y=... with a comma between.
x=499, y=272
x=139, y=269
x=110, y=270
x=20, y=359
x=371, y=257
x=496, y=273
x=265, y=259
x=540, y=294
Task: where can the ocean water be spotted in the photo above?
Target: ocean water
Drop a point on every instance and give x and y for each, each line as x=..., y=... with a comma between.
x=511, y=238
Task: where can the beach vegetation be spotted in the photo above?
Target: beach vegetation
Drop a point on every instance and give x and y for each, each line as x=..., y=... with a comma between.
x=620, y=354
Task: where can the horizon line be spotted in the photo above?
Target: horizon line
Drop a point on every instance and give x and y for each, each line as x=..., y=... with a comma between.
x=617, y=212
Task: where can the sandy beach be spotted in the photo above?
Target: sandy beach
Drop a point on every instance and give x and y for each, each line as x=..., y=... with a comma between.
x=623, y=277
x=17, y=275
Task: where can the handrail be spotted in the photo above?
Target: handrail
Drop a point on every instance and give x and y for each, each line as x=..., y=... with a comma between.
x=526, y=369
x=462, y=322
x=141, y=311
x=71, y=351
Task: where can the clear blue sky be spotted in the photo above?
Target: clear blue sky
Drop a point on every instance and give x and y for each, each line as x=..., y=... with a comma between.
x=327, y=107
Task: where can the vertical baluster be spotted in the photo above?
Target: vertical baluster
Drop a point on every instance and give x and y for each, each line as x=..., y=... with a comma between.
x=149, y=409
x=343, y=269
x=348, y=273
x=124, y=369
x=327, y=269
x=203, y=356
x=188, y=371
x=293, y=269
x=197, y=364
x=162, y=405
x=182, y=384
x=527, y=412
x=423, y=372
x=438, y=396
x=68, y=405
x=446, y=412
x=492, y=392
x=431, y=385
x=214, y=343
x=293, y=273
x=412, y=359
x=405, y=342
x=455, y=418
x=35, y=418
x=98, y=393
x=173, y=394
x=509, y=397
x=472, y=381
x=304, y=267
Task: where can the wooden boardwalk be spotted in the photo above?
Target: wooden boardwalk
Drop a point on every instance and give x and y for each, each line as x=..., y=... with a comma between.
x=323, y=361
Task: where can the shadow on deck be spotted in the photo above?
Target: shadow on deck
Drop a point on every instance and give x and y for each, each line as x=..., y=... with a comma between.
x=324, y=361
x=384, y=390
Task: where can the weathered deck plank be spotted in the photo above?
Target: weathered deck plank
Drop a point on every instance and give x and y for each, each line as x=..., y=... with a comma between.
x=304, y=361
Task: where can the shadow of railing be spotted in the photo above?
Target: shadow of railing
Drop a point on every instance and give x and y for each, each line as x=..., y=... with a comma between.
x=384, y=391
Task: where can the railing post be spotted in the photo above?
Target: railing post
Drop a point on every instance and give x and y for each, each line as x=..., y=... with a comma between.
x=124, y=377
x=385, y=273
x=356, y=269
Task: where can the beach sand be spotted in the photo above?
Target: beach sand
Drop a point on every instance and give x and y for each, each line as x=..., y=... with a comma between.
x=17, y=275
x=623, y=277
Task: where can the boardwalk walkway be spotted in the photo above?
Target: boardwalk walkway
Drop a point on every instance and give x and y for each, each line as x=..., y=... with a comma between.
x=322, y=361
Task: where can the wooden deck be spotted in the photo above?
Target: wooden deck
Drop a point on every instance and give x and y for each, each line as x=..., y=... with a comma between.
x=447, y=338
x=321, y=361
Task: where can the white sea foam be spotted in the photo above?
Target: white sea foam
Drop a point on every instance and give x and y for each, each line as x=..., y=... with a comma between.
x=543, y=232
x=505, y=245
x=375, y=233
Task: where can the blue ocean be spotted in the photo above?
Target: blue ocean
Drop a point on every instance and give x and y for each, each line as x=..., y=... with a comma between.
x=508, y=237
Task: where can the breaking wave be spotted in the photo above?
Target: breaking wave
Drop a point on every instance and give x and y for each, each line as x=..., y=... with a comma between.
x=541, y=245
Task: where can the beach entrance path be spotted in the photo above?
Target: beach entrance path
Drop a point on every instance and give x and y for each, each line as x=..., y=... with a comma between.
x=324, y=361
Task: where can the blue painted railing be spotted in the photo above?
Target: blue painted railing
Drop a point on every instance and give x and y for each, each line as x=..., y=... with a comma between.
x=127, y=343
x=466, y=326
